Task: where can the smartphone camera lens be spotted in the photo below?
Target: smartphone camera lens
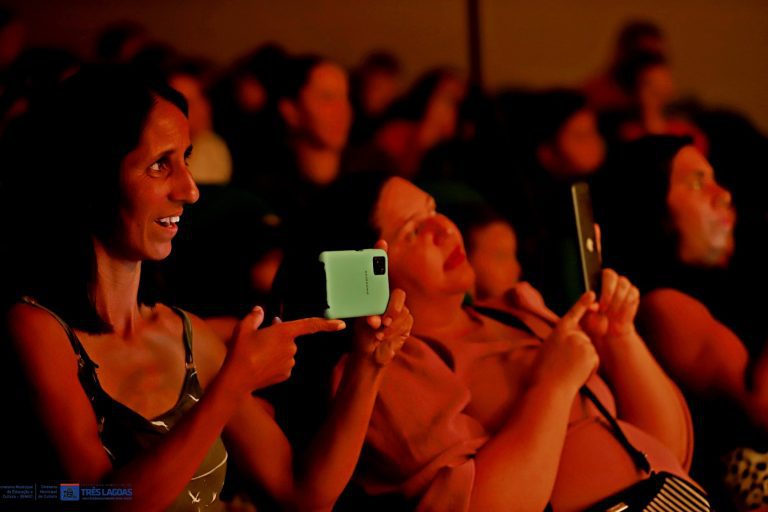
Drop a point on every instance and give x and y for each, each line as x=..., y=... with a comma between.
x=379, y=265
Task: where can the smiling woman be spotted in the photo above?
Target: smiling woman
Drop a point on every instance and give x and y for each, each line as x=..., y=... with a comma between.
x=157, y=183
x=122, y=392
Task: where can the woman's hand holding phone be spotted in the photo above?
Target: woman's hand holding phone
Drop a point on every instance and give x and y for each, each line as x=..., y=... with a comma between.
x=613, y=323
x=381, y=336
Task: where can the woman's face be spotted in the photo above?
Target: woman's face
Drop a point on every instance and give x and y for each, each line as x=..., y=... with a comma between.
x=579, y=144
x=656, y=86
x=324, y=107
x=426, y=251
x=155, y=184
x=493, y=256
x=700, y=210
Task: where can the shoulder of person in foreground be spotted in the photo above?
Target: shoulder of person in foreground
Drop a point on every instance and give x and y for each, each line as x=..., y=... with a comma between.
x=697, y=349
x=51, y=366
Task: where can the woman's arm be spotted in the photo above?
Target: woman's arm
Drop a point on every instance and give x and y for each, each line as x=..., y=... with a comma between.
x=519, y=464
x=261, y=449
x=645, y=396
x=157, y=476
x=700, y=353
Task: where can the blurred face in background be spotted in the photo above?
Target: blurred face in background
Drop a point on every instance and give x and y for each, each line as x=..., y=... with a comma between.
x=322, y=113
x=700, y=210
x=578, y=149
x=379, y=90
x=493, y=256
x=199, y=106
x=655, y=86
x=251, y=94
x=441, y=117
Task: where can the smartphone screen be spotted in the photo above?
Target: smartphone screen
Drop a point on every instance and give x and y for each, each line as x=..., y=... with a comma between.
x=356, y=283
x=589, y=256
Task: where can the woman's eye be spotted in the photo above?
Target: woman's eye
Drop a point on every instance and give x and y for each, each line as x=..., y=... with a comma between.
x=411, y=232
x=159, y=166
x=697, y=184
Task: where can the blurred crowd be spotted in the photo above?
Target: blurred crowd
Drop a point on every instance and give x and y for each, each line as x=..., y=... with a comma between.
x=273, y=132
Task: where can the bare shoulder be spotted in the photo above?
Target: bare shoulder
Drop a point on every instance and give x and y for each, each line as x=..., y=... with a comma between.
x=50, y=363
x=667, y=302
x=35, y=333
x=668, y=316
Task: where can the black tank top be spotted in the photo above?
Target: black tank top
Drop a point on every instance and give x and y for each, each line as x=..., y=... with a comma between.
x=125, y=433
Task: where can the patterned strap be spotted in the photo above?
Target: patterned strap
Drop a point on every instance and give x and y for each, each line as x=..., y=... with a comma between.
x=187, y=336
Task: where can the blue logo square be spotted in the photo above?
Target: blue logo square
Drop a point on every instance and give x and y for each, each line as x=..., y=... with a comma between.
x=69, y=492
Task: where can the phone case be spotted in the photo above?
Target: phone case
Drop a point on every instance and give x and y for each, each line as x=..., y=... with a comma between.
x=589, y=257
x=357, y=282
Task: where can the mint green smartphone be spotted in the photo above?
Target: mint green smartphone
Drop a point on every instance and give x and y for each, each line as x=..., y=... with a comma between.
x=356, y=283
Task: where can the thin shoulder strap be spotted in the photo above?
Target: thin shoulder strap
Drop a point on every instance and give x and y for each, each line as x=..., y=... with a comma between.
x=187, y=335
x=77, y=347
x=638, y=457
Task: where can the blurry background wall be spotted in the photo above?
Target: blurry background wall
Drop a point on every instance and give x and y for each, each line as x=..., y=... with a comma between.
x=719, y=49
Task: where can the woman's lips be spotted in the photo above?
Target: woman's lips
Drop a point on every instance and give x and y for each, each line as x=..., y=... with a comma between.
x=456, y=258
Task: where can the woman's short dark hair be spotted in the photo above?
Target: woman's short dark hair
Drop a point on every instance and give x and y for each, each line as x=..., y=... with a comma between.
x=413, y=106
x=295, y=74
x=551, y=110
x=61, y=184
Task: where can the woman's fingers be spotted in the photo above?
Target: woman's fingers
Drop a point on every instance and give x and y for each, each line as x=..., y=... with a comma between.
x=253, y=320
x=619, y=298
x=381, y=244
x=610, y=279
x=395, y=306
x=373, y=321
x=304, y=326
x=578, y=310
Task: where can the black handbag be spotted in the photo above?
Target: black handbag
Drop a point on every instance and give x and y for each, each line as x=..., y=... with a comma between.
x=660, y=492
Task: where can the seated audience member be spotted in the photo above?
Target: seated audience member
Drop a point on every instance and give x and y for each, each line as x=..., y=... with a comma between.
x=105, y=360
x=482, y=410
x=375, y=85
x=121, y=42
x=243, y=103
x=32, y=74
x=647, y=79
x=557, y=144
x=638, y=36
x=315, y=116
x=491, y=245
x=669, y=224
x=417, y=123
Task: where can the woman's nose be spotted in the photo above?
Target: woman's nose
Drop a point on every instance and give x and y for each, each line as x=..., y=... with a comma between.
x=440, y=227
x=723, y=195
x=184, y=188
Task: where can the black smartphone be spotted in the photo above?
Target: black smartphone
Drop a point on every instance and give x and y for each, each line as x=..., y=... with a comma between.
x=589, y=256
